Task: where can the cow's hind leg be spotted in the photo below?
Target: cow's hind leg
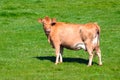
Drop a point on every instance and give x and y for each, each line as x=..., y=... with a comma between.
x=90, y=52
x=90, y=58
x=98, y=52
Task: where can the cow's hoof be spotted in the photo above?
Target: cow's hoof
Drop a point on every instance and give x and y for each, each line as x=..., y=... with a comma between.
x=56, y=63
x=60, y=62
x=89, y=65
x=100, y=64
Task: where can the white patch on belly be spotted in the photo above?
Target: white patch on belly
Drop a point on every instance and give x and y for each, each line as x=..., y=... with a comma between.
x=80, y=46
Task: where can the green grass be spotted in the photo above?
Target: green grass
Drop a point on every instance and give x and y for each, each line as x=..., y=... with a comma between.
x=26, y=55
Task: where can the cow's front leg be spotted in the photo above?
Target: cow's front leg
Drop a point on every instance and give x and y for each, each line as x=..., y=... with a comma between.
x=57, y=52
x=59, y=58
x=61, y=53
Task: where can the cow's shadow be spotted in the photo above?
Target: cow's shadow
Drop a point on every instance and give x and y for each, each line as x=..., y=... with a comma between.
x=65, y=59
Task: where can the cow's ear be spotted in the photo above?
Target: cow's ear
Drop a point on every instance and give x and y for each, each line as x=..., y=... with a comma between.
x=53, y=21
x=40, y=20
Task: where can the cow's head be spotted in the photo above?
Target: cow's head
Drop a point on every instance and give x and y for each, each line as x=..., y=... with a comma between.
x=47, y=23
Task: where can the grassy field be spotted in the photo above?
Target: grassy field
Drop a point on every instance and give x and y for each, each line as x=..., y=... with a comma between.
x=26, y=55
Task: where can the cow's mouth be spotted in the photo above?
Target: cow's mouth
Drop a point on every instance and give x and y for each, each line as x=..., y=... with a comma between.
x=47, y=32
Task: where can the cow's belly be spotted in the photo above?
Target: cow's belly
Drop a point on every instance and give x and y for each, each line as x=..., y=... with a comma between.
x=79, y=46
x=72, y=41
x=75, y=46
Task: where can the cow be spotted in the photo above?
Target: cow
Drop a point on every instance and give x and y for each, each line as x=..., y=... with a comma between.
x=72, y=36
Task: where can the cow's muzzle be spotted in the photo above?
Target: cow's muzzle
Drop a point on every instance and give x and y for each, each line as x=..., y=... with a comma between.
x=47, y=31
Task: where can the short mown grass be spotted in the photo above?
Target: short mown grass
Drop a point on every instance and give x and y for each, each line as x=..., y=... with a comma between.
x=25, y=53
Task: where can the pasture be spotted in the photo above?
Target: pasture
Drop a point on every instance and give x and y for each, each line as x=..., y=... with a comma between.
x=25, y=53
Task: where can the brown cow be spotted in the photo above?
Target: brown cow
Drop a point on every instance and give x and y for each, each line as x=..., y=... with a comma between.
x=72, y=36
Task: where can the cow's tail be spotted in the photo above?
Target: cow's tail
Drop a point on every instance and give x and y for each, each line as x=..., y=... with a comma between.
x=97, y=33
